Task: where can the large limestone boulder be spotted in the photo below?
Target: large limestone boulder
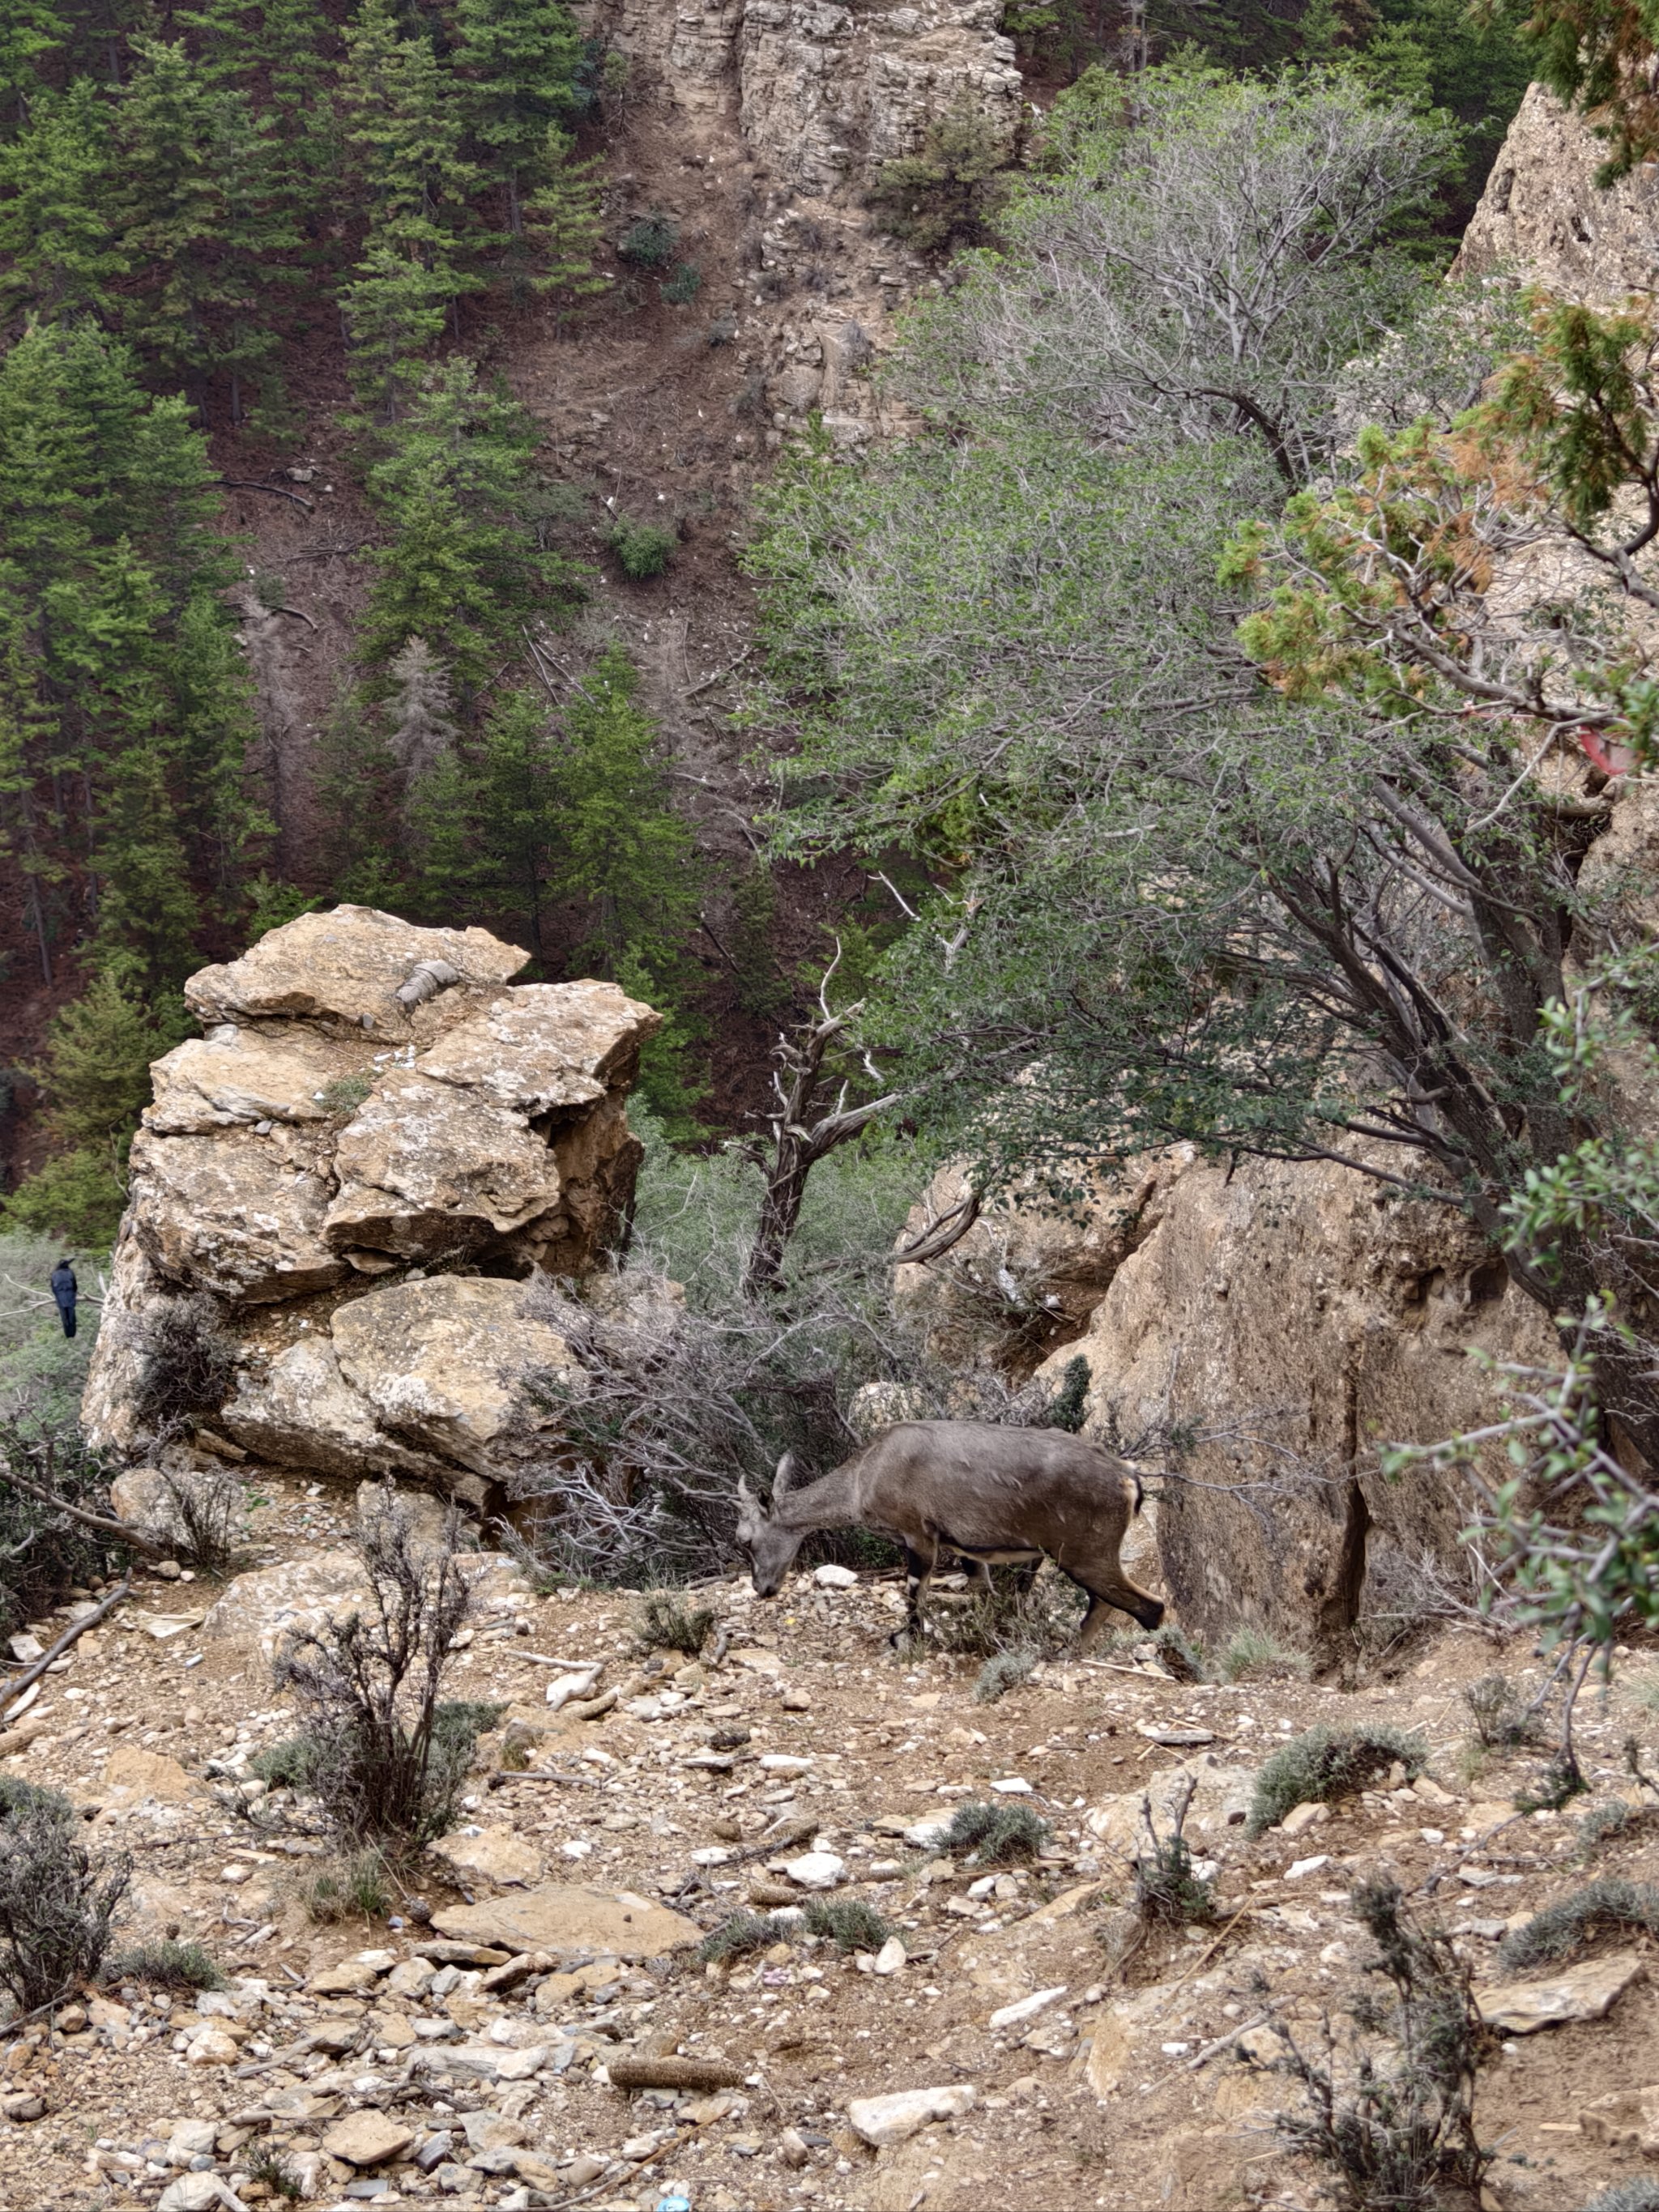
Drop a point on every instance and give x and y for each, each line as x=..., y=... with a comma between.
x=370, y=1101
x=344, y=969
x=1279, y=1322
x=446, y=1364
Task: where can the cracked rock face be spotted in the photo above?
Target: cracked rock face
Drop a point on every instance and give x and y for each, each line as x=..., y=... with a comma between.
x=370, y=1100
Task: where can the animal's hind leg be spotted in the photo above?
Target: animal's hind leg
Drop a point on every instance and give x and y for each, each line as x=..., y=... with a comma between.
x=1148, y=1611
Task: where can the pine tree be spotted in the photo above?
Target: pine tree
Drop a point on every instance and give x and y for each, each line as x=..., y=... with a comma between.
x=203, y=215
x=420, y=710
x=63, y=248
x=125, y=703
x=519, y=813
x=359, y=797
x=465, y=566
x=96, y=1082
x=404, y=133
x=626, y=862
x=563, y=220
x=284, y=54
x=441, y=814
x=30, y=31
x=515, y=64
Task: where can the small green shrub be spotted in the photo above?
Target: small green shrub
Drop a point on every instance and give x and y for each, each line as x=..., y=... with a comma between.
x=355, y=1889
x=663, y=1624
x=285, y=1766
x=341, y=1097
x=1022, y=1611
x=1070, y=1402
x=269, y=2163
x=683, y=286
x=1604, y=1824
x=950, y=193
x=168, y=1965
x=458, y=1723
x=1252, y=1655
x=742, y=1933
x=1501, y=1722
x=1003, y=1673
x=642, y=549
x=848, y=1923
x=1168, y=1891
x=650, y=242
x=995, y=1835
x=1608, y=1905
x=1330, y=1761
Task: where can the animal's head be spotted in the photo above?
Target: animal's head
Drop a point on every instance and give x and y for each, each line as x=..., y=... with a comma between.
x=771, y=1548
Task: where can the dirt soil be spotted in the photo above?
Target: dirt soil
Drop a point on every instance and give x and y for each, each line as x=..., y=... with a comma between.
x=700, y=1790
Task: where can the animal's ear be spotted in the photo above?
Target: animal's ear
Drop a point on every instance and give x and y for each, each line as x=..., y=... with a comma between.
x=746, y=1496
x=785, y=1475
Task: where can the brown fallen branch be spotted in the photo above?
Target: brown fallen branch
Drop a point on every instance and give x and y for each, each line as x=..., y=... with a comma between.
x=674, y=2074
x=121, y=1531
x=277, y=491
x=506, y=1774
x=719, y=674
x=948, y=1230
x=11, y=1691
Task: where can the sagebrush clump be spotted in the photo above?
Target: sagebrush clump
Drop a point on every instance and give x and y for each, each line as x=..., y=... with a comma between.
x=1392, y=2123
x=1003, y=1671
x=995, y=1835
x=1330, y=1761
x=848, y=1923
x=664, y=1624
x=1608, y=1905
x=168, y=1965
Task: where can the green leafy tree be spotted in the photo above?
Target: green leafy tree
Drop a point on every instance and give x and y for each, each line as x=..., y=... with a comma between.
x=949, y=193
x=59, y=230
x=1597, y=55
x=1320, y=916
x=30, y=30
x=284, y=53
x=466, y=563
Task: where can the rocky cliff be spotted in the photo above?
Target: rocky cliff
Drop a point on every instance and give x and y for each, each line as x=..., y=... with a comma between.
x=824, y=94
x=350, y=1173
x=1543, y=217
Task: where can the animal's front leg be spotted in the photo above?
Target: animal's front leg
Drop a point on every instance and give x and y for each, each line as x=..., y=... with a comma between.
x=917, y=1569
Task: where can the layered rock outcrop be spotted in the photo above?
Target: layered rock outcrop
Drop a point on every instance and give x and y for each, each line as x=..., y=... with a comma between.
x=372, y=1145
x=825, y=94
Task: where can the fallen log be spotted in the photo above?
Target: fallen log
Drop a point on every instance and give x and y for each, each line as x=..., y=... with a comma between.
x=674, y=2074
x=10, y=1692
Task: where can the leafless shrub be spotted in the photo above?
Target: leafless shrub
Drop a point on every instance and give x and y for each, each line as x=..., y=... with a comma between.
x=1170, y=1892
x=185, y=1363
x=57, y=1902
x=383, y=1768
x=206, y=1514
x=1388, y=2108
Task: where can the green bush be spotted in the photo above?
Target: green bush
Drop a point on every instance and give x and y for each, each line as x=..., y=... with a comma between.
x=650, y=242
x=1330, y=1761
x=642, y=549
x=356, y=1887
x=168, y=1965
x=1003, y=1671
x=683, y=286
x=269, y=2163
x=950, y=194
x=742, y=1933
x=1608, y=1905
x=848, y=1923
x=1501, y=1722
x=345, y=1094
x=1251, y=1655
x=663, y=1624
x=1070, y=1402
x=995, y=1835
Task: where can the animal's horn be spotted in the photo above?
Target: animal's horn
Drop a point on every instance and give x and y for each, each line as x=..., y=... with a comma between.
x=785, y=1475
